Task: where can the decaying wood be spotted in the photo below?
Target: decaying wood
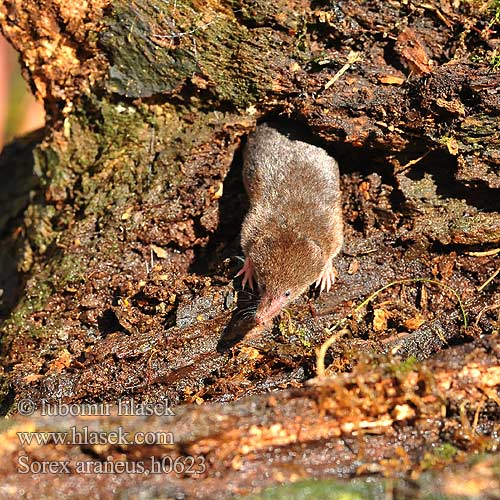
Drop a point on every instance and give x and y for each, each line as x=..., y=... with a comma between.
x=384, y=419
x=120, y=230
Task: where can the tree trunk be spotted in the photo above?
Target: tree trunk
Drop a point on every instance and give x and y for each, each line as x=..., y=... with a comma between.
x=120, y=228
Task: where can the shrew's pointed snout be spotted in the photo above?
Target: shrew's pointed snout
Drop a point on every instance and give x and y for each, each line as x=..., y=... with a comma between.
x=268, y=309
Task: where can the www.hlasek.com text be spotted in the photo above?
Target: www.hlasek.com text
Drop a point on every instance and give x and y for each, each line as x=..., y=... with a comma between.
x=86, y=436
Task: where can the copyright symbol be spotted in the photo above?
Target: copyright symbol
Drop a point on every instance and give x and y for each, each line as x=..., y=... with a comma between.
x=26, y=407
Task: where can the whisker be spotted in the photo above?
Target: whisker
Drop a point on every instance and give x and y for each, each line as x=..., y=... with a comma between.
x=238, y=314
x=247, y=303
x=248, y=311
x=250, y=292
x=250, y=308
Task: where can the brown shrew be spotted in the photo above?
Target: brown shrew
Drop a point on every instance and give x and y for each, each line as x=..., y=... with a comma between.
x=294, y=226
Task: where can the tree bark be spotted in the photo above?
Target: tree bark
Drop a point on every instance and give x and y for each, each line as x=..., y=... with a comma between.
x=121, y=223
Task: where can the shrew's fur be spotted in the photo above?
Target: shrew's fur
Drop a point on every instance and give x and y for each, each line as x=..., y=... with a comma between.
x=294, y=225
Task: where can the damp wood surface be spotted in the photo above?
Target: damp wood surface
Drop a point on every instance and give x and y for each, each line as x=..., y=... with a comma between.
x=120, y=235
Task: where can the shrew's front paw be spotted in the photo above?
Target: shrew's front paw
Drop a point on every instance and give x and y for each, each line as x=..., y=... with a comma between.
x=247, y=271
x=326, y=278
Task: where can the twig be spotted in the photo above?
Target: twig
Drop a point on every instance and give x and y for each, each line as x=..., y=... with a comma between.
x=489, y=280
x=352, y=58
x=484, y=253
x=477, y=413
x=415, y=161
x=321, y=353
x=483, y=310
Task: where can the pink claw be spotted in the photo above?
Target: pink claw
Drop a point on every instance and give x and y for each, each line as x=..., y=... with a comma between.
x=247, y=271
x=327, y=277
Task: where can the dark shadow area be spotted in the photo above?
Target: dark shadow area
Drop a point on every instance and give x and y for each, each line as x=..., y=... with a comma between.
x=7, y=402
x=443, y=168
x=108, y=323
x=18, y=181
x=242, y=320
x=351, y=159
x=392, y=58
x=225, y=242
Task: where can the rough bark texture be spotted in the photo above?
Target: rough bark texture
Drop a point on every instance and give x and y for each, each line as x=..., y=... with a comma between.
x=388, y=419
x=120, y=225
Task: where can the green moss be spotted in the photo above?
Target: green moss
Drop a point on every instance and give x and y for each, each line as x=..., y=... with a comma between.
x=478, y=127
x=477, y=58
x=494, y=12
x=37, y=295
x=446, y=139
x=302, y=334
x=19, y=322
x=70, y=270
x=120, y=123
x=146, y=61
x=446, y=451
x=408, y=365
x=289, y=330
x=441, y=455
x=39, y=226
x=46, y=161
x=159, y=47
x=495, y=60
x=262, y=13
x=325, y=489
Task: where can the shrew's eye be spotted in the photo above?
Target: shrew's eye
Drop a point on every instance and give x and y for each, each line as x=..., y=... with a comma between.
x=288, y=293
